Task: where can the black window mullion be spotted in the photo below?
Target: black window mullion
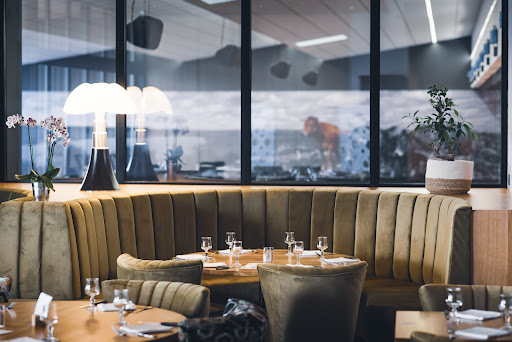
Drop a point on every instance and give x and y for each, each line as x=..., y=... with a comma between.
x=121, y=79
x=375, y=93
x=246, y=80
x=504, y=95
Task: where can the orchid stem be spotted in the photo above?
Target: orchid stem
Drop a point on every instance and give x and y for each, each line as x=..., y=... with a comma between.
x=31, y=148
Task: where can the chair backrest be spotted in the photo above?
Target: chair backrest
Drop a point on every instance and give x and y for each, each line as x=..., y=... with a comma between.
x=8, y=194
x=192, y=301
x=185, y=271
x=312, y=304
x=420, y=336
x=481, y=297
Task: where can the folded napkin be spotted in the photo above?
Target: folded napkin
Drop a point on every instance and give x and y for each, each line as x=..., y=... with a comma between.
x=190, y=257
x=481, y=333
x=145, y=328
x=226, y=251
x=478, y=315
x=3, y=332
x=250, y=266
x=24, y=339
x=106, y=307
x=340, y=260
x=295, y=265
x=214, y=264
x=308, y=254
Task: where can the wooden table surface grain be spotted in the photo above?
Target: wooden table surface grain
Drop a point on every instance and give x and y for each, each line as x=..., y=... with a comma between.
x=77, y=325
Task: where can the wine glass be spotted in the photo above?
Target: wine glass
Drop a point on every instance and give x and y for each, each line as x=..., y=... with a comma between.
x=322, y=245
x=120, y=302
x=230, y=237
x=289, y=239
x=505, y=307
x=237, y=249
x=206, y=245
x=92, y=288
x=454, y=301
x=298, y=248
x=51, y=318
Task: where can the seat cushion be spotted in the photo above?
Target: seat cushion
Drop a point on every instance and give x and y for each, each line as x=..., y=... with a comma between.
x=222, y=288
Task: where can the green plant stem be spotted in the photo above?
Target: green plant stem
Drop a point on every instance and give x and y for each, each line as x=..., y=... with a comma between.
x=31, y=148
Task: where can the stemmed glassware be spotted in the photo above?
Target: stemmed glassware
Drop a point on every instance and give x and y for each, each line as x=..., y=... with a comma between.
x=120, y=302
x=289, y=239
x=237, y=249
x=51, y=319
x=92, y=289
x=505, y=307
x=298, y=248
x=206, y=245
x=454, y=301
x=322, y=245
x=230, y=237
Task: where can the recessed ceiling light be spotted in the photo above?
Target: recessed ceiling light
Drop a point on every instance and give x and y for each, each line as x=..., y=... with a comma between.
x=323, y=40
x=482, y=31
x=215, y=2
x=431, y=21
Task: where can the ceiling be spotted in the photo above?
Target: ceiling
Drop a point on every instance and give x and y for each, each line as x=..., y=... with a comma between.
x=192, y=29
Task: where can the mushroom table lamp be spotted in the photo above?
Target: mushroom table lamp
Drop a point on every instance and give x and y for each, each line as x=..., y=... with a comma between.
x=147, y=101
x=99, y=98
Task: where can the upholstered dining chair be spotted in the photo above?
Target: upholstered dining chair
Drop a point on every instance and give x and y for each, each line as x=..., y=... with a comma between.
x=482, y=297
x=419, y=336
x=192, y=301
x=186, y=271
x=313, y=303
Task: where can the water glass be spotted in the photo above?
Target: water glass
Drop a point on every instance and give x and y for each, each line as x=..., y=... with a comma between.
x=454, y=301
x=2, y=316
x=92, y=289
x=268, y=254
x=51, y=318
x=237, y=249
x=289, y=239
x=230, y=237
x=322, y=245
x=298, y=248
x=505, y=307
x=120, y=302
x=206, y=245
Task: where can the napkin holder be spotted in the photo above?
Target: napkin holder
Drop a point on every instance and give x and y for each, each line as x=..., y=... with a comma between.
x=36, y=321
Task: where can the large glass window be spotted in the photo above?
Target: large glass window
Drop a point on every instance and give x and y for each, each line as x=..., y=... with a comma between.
x=184, y=71
x=65, y=43
x=411, y=63
x=310, y=92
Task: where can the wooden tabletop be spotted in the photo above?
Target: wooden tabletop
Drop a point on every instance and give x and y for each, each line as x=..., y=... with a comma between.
x=434, y=322
x=256, y=256
x=76, y=324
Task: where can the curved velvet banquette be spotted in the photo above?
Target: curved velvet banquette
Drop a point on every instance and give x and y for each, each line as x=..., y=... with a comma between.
x=407, y=239
x=8, y=194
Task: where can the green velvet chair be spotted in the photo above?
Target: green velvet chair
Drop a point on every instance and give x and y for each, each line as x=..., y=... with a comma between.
x=419, y=336
x=192, y=301
x=312, y=304
x=8, y=194
x=482, y=297
x=185, y=271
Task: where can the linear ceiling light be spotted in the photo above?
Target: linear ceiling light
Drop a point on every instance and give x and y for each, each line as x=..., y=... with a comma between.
x=323, y=40
x=431, y=21
x=215, y=2
x=480, y=36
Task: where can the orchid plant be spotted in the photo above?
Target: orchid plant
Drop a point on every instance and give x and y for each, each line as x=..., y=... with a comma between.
x=174, y=154
x=56, y=132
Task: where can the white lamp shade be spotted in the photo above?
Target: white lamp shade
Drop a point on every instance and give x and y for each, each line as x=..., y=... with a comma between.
x=99, y=97
x=150, y=100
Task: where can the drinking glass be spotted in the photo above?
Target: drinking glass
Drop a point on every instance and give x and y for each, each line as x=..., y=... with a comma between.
x=505, y=307
x=237, y=249
x=51, y=318
x=92, y=288
x=322, y=245
x=2, y=316
x=206, y=245
x=298, y=248
x=289, y=239
x=230, y=237
x=268, y=254
x=454, y=301
x=120, y=302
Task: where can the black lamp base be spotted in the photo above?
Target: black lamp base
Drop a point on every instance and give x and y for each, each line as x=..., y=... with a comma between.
x=100, y=175
x=140, y=167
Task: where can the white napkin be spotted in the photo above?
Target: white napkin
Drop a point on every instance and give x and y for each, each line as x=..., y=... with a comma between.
x=226, y=251
x=250, y=266
x=3, y=332
x=145, y=328
x=214, y=264
x=107, y=307
x=190, y=257
x=481, y=333
x=340, y=260
x=295, y=265
x=308, y=254
x=24, y=339
x=43, y=305
x=478, y=315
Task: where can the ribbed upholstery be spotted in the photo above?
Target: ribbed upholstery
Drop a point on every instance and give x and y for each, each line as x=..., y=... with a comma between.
x=187, y=299
x=8, y=194
x=404, y=236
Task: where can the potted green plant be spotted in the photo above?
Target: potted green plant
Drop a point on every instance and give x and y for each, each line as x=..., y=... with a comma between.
x=444, y=174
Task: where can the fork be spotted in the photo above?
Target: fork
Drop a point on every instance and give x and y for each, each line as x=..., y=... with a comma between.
x=120, y=333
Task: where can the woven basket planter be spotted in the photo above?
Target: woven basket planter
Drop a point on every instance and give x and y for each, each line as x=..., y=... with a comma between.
x=446, y=177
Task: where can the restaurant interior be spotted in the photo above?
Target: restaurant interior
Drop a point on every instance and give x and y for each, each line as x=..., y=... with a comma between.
x=255, y=170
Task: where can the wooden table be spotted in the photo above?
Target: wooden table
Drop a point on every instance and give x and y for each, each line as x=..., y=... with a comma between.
x=78, y=325
x=434, y=322
x=256, y=256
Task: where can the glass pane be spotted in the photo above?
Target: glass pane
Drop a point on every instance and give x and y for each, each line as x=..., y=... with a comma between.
x=65, y=43
x=310, y=97
x=411, y=63
x=184, y=72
